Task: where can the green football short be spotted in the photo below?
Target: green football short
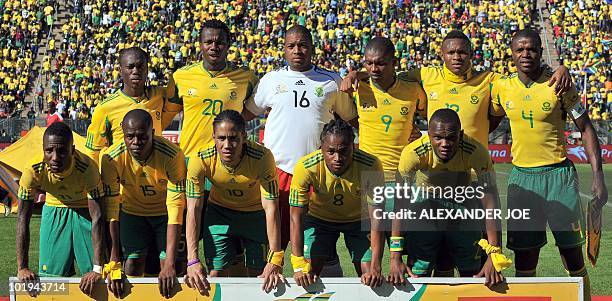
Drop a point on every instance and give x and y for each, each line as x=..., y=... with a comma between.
x=320, y=239
x=427, y=236
x=224, y=227
x=140, y=232
x=551, y=195
x=65, y=236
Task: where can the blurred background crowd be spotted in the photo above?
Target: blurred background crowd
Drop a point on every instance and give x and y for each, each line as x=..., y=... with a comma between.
x=77, y=57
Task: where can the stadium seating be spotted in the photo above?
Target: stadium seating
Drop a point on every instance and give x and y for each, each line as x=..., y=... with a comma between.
x=86, y=57
x=169, y=31
x=581, y=32
x=21, y=26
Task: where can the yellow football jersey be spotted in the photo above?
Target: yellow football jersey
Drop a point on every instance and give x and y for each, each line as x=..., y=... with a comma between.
x=386, y=120
x=432, y=171
x=71, y=188
x=241, y=188
x=337, y=199
x=151, y=188
x=105, y=128
x=536, y=118
x=202, y=95
x=468, y=95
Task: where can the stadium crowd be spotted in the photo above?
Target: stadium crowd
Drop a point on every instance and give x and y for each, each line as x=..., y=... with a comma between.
x=82, y=67
x=86, y=66
x=582, y=38
x=22, y=25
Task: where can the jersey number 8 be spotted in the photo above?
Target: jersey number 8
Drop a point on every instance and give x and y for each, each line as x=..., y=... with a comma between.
x=338, y=200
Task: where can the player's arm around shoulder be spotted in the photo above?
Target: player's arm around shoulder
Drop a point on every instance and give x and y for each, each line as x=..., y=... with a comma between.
x=173, y=103
x=96, y=134
x=257, y=103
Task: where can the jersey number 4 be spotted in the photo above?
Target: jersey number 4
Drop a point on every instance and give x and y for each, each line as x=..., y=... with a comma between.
x=303, y=101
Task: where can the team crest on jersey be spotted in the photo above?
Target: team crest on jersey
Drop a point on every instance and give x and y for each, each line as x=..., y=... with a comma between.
x=233, y=95
x=319, y=91
x=433, y=95
x=546, y=106
x=280, y=89
x=473, y=99
x=404, y=111
x=509, y=105
x=191, y=92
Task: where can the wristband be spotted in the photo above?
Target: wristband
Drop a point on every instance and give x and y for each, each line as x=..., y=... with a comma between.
x=97, y=269
x=192, y=262
x=113, y=269
x=396, y=244
x=276, y=258
x=300, y=264
x=500, y=261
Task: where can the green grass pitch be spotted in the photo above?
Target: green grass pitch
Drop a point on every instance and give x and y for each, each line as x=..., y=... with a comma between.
x=550, y=262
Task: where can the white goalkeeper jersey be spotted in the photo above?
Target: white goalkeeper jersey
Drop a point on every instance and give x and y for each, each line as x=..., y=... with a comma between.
x=301, y=104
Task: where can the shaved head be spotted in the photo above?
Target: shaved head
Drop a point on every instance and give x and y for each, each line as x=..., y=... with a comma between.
x=138, y=115
x=446, y=116
x=381, y=45
x=301, y=30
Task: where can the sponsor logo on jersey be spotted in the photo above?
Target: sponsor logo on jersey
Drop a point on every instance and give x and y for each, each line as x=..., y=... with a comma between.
x=386, y=102
x=300, y=83
x=213, y=86
x=280, y=89
x=527, y=98
x=546, y=106
x=319, y=91
x=454, y=91
x=474, y=99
